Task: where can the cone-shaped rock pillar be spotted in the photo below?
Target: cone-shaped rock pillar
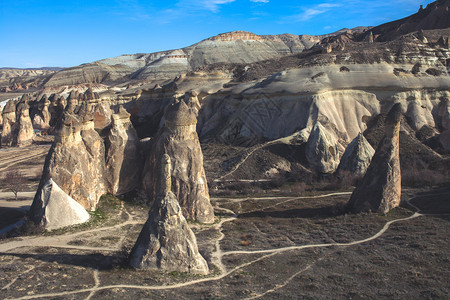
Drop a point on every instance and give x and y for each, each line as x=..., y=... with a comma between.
x=166, y=242
x=380, y=189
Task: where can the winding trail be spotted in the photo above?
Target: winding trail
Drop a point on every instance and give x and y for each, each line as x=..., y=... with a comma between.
x=218, y=255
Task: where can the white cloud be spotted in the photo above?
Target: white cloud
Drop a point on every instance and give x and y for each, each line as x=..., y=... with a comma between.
x=260, y=1
x=311, y=12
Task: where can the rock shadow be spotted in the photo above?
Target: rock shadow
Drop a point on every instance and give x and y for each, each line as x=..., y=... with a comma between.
x=95, y=261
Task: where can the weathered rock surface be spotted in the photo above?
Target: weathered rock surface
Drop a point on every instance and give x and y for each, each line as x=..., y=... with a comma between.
x=166, y=242
x=179, y=139
x=357, y=156
x=380, y=188
x=123, y=155
x=322, y=150
x=54, y=209
x=102, y=115
x=9, y=118
x=76, y=161
x=23, y=129
x=42, y=119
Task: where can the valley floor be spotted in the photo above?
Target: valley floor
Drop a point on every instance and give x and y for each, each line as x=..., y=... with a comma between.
x=268, y=248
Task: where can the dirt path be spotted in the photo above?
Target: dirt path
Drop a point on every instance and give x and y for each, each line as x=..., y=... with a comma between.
x=14, y=156
x=217, y=255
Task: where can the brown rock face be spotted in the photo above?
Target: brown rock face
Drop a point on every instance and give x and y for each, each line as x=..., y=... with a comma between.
x=9, y=118
x=166, y=242
x=102, y=115
x=380, y=189
x=23, y=129
x=123, y=156
x=179, y=139
x=76, y=161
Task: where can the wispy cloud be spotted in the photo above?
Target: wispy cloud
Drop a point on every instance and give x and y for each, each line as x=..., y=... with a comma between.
x=260, y=1
x=311, y=12
x=211, y=5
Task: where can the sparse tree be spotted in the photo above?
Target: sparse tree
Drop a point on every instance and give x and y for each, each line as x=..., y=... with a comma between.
x=14, y=181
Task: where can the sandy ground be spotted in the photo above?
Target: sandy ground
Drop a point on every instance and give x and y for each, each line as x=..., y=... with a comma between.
x=265, y=247
x=29, y=161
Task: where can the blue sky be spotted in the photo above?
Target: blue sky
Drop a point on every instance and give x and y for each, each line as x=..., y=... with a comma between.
x=71, y=32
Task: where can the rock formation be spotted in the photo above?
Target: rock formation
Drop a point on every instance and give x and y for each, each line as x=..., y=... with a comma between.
x=76, y=161
x=42, y=119
x=380, y=189
x=23, y=131
x=123, y=156
x=321, y=150
x=54, y=209
x=357, y=156
x=178, y=138
x=72, y=102
x=102, y=115
x=9, y=118
x=166, y=242
x=192, y=101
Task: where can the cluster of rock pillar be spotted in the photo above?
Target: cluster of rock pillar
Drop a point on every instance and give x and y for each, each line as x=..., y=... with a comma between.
x=81, y=166
x=17, y=126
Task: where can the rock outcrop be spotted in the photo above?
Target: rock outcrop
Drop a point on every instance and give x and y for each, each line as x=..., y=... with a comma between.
x=54, y=209
x=123, y=156
x=76, y=161
x=42, y=119
x=102, y=115
x=9, y=118
x=321, y=150
x=23, y=128
x=179, y=139
x=380, y=189
x=166, y=242
x=357, y=156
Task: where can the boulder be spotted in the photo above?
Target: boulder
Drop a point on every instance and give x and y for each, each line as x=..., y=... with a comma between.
x=23, y=131
x=178, y=138
x=357, y=156
x=166, y=242
x=322, y=150
x=55, y=209
x=9, y=118
x=123, y=155
x=380, y=188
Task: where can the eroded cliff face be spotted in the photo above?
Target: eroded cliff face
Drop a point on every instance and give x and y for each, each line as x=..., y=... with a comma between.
x=289, y=101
